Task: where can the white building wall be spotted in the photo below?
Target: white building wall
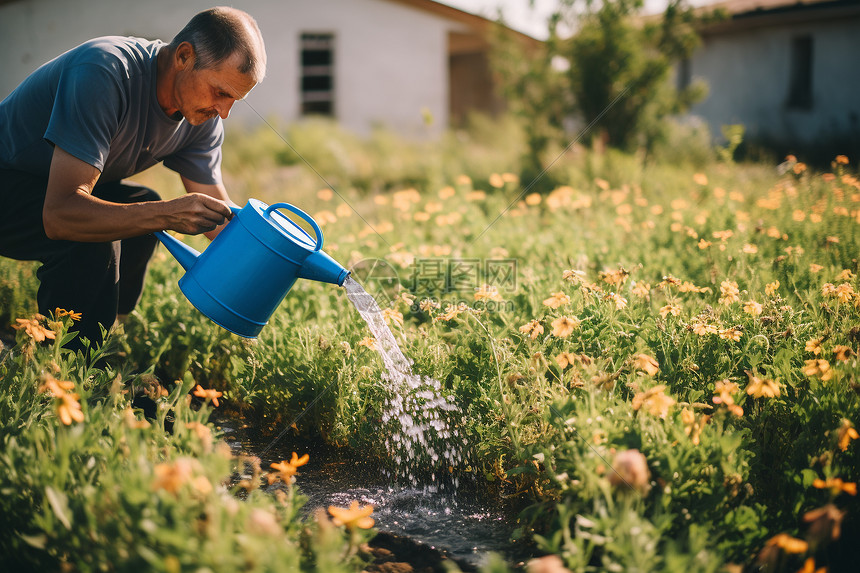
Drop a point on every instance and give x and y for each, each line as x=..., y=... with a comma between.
x=748, y=74
x=391, y=61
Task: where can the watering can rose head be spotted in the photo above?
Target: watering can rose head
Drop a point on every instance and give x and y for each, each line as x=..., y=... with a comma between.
x=240, y=279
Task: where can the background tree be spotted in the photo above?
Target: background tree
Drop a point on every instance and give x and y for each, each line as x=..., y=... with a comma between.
x=611, y=74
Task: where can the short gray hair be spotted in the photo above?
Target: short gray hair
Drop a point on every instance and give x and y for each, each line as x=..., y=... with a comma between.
x=218, y=33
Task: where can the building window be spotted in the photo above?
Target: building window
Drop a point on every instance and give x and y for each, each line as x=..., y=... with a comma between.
x=684, y=74
x=317, y=65
x=800, y=74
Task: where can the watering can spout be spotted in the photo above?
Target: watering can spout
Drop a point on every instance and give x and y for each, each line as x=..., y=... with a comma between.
x=319, y=266
x=182, y=252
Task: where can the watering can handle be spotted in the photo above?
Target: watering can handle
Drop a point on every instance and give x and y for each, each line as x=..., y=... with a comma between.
x=303, y=215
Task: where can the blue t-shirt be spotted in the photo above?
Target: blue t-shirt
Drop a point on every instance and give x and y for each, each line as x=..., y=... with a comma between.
x=98, y=103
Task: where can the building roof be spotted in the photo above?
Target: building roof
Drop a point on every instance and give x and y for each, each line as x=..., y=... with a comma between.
x=481, y=26
x=743, y=14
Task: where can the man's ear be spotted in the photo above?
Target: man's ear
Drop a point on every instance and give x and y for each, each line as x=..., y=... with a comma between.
x=184, y=56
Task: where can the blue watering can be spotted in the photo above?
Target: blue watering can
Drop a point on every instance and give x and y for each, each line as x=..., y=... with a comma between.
x=245, y=273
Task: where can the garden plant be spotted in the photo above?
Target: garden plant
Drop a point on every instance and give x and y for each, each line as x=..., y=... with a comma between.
x=658, y=360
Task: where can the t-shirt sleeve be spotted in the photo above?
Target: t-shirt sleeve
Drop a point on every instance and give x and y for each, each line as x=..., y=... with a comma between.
x=200, y=160
x=86, y=113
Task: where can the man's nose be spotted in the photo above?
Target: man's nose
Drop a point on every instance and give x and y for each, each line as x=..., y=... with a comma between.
x=224, y=108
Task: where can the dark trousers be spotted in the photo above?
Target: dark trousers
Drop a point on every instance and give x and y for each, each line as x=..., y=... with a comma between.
x=99, y=280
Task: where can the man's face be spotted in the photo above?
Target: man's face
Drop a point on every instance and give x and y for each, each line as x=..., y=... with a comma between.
x=202, y=94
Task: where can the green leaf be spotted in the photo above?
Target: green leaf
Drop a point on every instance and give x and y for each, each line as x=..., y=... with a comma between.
x=60, y=504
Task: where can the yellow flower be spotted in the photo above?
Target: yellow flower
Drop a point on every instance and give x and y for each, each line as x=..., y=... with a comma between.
x=564, y=325
x=703, y=244
x=700, y=179
x=819, y=368
x=352, y=517
x=836, y=486
x=34, y=329
x=487, y=292
x=208, y=394
x=845, y=275
x=647, y=364
x=654, y=401
x=846, y=433
x=452, y=311
x=752, y=308
x=325, y=194
x=814, y=268
x=844, y=293
x=368, y=342
x=446, y=192
x=390, y=315
x=750, y=249
x=556, y=300
x=573, y=276
x=287, y=469
x=672, y=309
x=771, y=288
x=533, y=329
x=762, y=387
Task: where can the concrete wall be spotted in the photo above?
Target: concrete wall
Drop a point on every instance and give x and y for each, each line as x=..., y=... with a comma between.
x=391, y=60
x=748, y=74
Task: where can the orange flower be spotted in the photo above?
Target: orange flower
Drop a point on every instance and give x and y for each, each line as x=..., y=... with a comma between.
x=61, y=312
x=556, y=300
x=368, y=342
x=762, y=387
x=730, y=334
x=846, y=433
x=563, y=326
x=390, y=315
x=771, y=288
x=57, y=388
x=819, y=368
x=630, y=469
x=172, y=476
x=654, y=401
x=672, y=309
x=813, y=346
x=488, y=292
x=69, y=409
x=836, y=486
x=693, y=424
x=646, y=364
x=565, y=359
x=209, y=394
x=752, y=308
x=842, y=353
x=533, y=329
x=788, y=543
x=725, y=390
x=641, y=290
x=287, y=469
x=352, y=517
x=841, y=160
x=729, y=292
x=34, y=329
x=700, y=179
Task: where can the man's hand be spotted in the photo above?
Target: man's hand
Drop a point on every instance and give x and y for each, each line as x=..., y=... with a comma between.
x=196, y=213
